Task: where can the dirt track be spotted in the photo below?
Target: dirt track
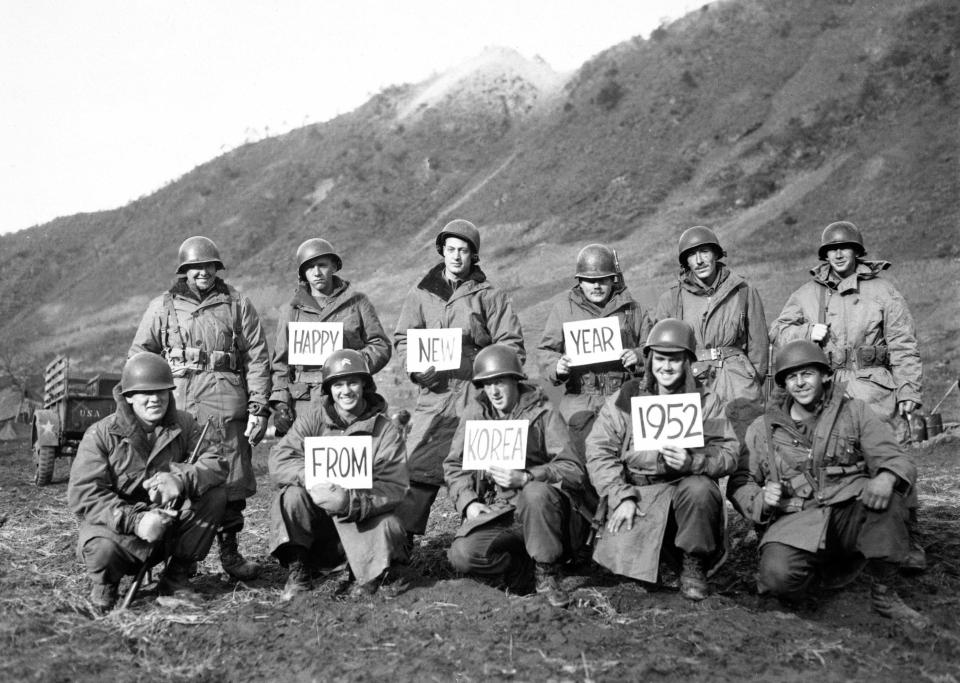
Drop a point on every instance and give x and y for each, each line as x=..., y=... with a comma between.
x=449, y=628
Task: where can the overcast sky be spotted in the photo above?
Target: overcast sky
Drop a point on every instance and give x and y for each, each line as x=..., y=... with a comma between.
x=107, y=100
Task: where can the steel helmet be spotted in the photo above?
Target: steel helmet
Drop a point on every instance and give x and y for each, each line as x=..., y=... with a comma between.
x=840, y=233
x=465, y=230
x=796, y=354
x=497, y=360
x=145, y=371
x=696, y=237
x=315, y=248
x=671, y=335
x=596, y=261
x=197, y=250
x=342, y=363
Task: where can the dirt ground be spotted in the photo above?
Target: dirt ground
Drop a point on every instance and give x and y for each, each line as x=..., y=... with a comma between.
x=449, y=628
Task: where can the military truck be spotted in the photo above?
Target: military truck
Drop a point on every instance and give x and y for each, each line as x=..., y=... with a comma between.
x=70, y=405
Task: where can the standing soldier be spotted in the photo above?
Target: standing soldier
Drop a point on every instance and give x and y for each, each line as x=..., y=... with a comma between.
x=321, y=296
x=212, y=339
x=599, y=293
x=455, y=293
x=727, y=316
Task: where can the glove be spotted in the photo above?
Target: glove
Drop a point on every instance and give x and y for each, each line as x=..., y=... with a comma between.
x=283, y=417
x=331, y=497
x=256, y=428
x=428, y=379
x=152, y=524
x=163, y=488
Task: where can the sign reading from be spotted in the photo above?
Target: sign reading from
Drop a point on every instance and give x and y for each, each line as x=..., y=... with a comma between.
x=343, y=460
x=499, y=443
x=592, y=341
x=311, y=343
x=439, y=348
x=670, y=419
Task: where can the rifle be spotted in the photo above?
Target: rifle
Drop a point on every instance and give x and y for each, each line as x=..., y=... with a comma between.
x=599, y=517
x=768, y=380
x=142, y=572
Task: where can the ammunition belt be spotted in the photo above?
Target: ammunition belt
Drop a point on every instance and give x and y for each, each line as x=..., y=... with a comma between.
x=192, y=358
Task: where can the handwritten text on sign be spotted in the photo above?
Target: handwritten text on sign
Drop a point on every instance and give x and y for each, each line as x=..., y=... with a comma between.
x=495, y=443
x=343, y=460
x=311, y=343
x=592, y=341
x=671, y=419
x=440, y=348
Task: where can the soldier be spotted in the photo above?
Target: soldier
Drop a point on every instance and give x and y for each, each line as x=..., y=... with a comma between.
x=599, y=293
x=454, y=294
x=828, y=480
x=321, y=296
x=326, y=524
x=130, y=464
x=547, y=495
x=666, y=499
x=212, y=339
x=727, y=316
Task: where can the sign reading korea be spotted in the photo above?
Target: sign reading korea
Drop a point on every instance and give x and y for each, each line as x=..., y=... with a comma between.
x=500, y=443
x=343, y=460
x=440, y=348
x=311, y=343
x=592, y=341
x=671, y=419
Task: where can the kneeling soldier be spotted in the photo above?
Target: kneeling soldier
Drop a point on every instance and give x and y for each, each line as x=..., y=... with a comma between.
x=667, y=497
x=308, y=524
x=827, y=477
x=546, y=494
x=132, y=472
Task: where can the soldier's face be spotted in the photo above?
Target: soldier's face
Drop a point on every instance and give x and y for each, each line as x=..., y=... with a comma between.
x=347, y=393
x=503, y=393
x=667, y=367
x=806, y=384
x=457, y=257
x=319, y=274
x=703, y=263
x=843, y=260
x=149, y=406
x=598, y=290
x=202, y=275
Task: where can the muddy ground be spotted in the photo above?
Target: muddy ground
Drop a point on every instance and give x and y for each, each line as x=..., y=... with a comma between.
x=448, y=628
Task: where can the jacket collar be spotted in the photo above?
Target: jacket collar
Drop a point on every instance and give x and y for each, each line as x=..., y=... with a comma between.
x=620, y=298
x=866, y=270
x=637, y=387
x=302, y=298
x=376, y=404
x=182, y=289
x=531, y=398
x=126, y=425
x=726, y=281
x=436, y=284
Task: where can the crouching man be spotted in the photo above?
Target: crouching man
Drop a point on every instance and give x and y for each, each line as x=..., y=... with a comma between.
x=664, y=499
x=326, y=524
x=546, y=495
x=826, y=477
x=140, y=493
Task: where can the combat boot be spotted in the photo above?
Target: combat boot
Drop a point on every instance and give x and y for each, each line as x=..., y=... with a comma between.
x=232, y=561
x=887, y=603
x=547, y=585
x=175, y=579
x=103, y=596
x=693, y=578
x=298, y=580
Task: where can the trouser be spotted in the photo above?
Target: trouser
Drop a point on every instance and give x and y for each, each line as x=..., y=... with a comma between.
x=854, y=533
x=370, y=546
x=232, y=520
x=109, y=556
x=549, y=530
x=414, y=510
x=695, y=521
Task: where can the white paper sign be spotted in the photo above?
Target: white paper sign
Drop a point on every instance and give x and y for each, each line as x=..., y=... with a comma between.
x=592, y=341
x=311, y=343
x=672, y=419
x=500, y=443
x=440, y=348
x=343, y=460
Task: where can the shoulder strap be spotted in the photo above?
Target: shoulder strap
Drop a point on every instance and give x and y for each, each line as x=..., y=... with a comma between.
x=172, y=332
x=771, y=460
x=237, y=322
x=822, y=312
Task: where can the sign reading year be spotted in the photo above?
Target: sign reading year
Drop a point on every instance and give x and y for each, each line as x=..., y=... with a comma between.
x=500, y=443
x=440, y=348
x=343, y=460
x=311, y=343
x=670, y=419
x=592, y=341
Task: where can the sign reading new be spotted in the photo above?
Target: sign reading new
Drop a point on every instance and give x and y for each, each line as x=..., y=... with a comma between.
x=439, y=348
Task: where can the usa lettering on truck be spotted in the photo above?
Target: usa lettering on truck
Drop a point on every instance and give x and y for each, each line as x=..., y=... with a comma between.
x=439, y=348
x=592, y=341
x=500, y=443
x=309, y=343
x=343, y=460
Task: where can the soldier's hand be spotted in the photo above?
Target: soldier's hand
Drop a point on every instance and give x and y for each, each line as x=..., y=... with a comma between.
x=818, y=332
x=428, y=379
x=677, y=458
x=906, y=407
x=629, y=358
x=256, y=428
x=563, y=366
x=625, y=513
x=475, y=509
x=163, y=488
x=153, y=523
x=508, y=479
x=331, y=497
x=772, y=492
x=878, y=491
x=283, y=417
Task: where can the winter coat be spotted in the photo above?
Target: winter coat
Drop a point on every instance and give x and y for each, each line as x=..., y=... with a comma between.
x=218, y=353
x=849, y=445
x=733, y=323
x=362, y=332
x=113, y=460
x=587, y=385
x=871, y=341
x=486, y=317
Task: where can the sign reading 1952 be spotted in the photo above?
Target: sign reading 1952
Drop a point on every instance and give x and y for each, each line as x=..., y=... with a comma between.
x=670, y=419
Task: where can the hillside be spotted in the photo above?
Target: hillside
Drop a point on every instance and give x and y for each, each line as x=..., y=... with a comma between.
x=765, y=119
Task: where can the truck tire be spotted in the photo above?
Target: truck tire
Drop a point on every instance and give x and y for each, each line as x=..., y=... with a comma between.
x=46, y=459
